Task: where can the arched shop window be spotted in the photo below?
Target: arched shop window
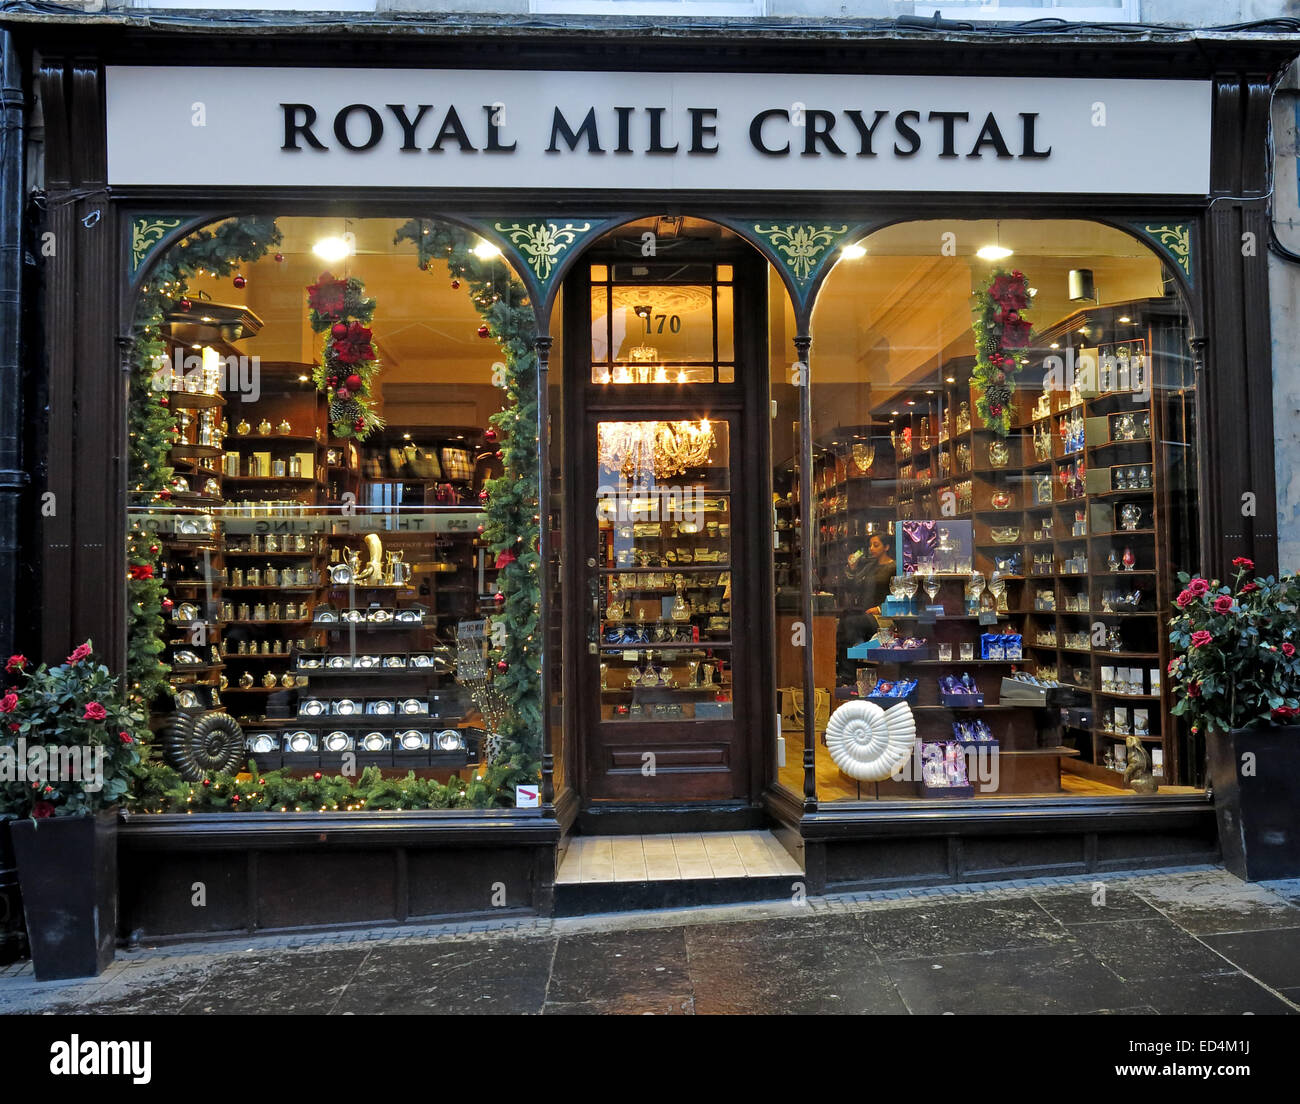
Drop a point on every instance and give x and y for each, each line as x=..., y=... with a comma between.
x=1004, y=490
x=333, y=519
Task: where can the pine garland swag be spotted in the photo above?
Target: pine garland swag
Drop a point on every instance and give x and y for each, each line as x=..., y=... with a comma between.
x=511, y=528
x=340, y=310
x=1001, y=334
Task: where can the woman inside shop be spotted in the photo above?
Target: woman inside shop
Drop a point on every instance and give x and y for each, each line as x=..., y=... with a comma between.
x=871, y=570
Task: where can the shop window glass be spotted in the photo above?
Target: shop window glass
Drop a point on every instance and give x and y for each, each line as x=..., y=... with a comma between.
x=351, y=599
x=1004, y=570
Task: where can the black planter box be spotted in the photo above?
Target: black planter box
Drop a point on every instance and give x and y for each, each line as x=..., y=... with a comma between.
x=67, y=868
x=1258, y=809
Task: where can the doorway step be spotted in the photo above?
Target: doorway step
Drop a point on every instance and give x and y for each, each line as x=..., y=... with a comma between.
x=673, y=870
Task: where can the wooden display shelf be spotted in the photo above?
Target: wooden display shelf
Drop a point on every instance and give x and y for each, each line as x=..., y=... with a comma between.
x=295, y=589
x=288, y=438
x=256, y=479
x=192, y=400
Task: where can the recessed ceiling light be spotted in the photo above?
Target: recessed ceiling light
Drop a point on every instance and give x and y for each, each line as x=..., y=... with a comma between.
x=929, y=392
x=950, y=379
x=1083, y=329
x=406, y=436
x=485, y=251
x=1055, y=345
x=853, y=252
x=303, y=379
x=911, y=402
x=332, y=249
x=893, y=411
x=993, y=252
x=1125, y=318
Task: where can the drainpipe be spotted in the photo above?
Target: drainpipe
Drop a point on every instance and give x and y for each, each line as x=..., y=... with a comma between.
x=13, y=480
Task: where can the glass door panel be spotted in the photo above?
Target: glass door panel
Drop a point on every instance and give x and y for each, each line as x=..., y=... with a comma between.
x=663, y=576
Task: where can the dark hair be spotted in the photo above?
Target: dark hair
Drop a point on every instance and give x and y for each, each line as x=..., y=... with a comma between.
x=877, y=537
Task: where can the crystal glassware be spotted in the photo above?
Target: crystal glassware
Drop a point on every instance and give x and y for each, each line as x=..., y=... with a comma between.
x=1130, y=561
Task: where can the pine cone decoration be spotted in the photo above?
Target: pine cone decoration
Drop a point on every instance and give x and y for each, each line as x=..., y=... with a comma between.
x=997, y=393
x=344, y=410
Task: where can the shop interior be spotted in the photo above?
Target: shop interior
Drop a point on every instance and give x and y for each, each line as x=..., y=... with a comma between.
x=1010, y=589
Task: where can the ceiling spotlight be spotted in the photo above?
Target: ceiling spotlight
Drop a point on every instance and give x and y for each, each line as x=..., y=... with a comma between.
x=303, y=379
x=1125, y=318
x=853, y=252
x=993, y=252
x=1055, y=345
x=949, y=379
x=893, y=411
x=911, y=402
x=929, y=392
x=485, y=251
x=332, y=249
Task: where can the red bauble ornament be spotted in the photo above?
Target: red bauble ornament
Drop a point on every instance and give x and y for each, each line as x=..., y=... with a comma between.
x=316, y=776
x=164, y=401
x=500, y=455
x=455, y=285
x=489, y=434
x=234, y=799
x=279, y=258
x=359, y=425
x=239, y=281
x=354, y=382
x=340, y=329
x=480, y=528
x=333, y=381
x=483, y=495
x=502, y=665
x=154, y=549
x=498, y=597
x=185, y=305
x=483, y=330
x=167, y=604
x=207, y=781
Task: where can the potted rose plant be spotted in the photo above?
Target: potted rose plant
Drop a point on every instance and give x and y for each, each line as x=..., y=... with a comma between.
x=1236, y=680
x=68, y=743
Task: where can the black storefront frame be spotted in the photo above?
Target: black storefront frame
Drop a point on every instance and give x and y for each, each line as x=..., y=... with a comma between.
x=1228, y=305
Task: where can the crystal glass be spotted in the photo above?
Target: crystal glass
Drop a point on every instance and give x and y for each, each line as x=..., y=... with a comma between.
x=1131, y=515
x=1112, y=561
x=945, y=653
x=998, y=586
x=932, y=586
x=910, y=584
x=1130, y=560
x=967, y=652
x=999, y=454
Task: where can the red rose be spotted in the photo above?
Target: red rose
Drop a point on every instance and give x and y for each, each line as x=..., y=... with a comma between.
x=1249, y=588
x=41, y=810
x=1185, y=598
x=9, y=702
x=94, y=712
x=16, y=663
x=1201, y=637
x=79, y=653
x=1288, y=649
x=125, y=737
x=1198, y=588
x=1194, y=690
x=15, y=727
x=1223, y=604
x=1242, y=561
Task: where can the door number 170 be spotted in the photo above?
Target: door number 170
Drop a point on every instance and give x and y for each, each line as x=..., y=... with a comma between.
x=654, y=323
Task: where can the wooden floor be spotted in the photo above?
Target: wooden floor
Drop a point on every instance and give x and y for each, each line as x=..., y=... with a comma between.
x=675, y=857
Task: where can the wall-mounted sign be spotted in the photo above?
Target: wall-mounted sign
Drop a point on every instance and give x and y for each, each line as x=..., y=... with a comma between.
x=206, y=127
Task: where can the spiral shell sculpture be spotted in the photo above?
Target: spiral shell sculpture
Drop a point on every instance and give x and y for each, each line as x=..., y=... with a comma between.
x=869, y=743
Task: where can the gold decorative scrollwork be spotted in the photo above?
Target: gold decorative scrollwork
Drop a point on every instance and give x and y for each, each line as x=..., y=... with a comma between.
x=801, y=247
x=541, y=243
x=1177, y=240
x=145, y=234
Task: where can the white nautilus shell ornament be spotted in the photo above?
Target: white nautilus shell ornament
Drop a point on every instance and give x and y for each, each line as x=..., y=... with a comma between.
x=869, y=743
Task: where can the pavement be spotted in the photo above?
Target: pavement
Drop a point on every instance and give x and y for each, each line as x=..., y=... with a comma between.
x=1189, y=940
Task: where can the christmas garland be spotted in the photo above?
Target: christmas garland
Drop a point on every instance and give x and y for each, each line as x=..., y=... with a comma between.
x=152, y=428
x=511, y=524
x=159, y=789
x=347, y=368
x=1001, y=334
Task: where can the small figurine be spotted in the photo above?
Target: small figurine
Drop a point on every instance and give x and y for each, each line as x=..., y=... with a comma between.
x=1137, y=774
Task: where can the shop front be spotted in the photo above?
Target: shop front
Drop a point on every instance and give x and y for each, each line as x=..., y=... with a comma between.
x=468, y=462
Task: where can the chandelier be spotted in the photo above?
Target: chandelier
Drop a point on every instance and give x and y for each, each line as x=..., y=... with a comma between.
x=663, y=449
